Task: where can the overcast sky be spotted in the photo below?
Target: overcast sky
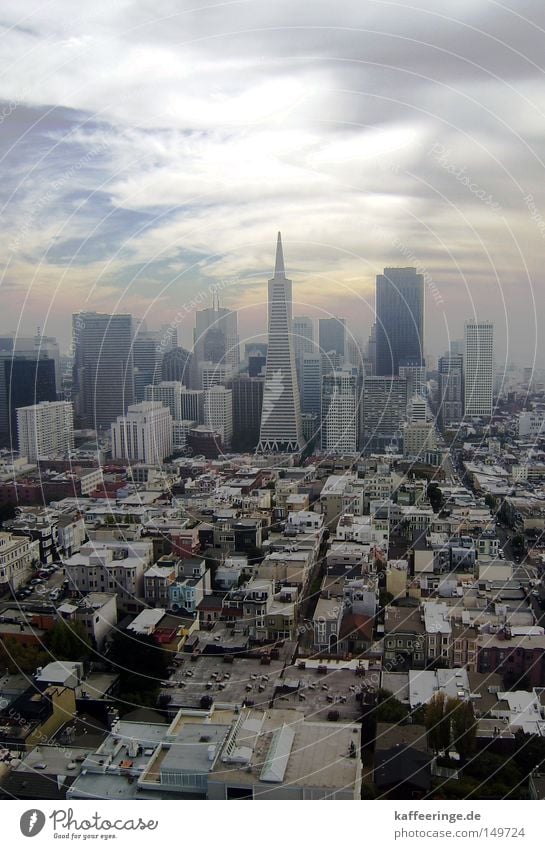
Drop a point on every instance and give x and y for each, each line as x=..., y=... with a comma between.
x=150, y=149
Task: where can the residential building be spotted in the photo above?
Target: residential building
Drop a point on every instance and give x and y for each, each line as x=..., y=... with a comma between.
x=16, y=558
x=45, y=429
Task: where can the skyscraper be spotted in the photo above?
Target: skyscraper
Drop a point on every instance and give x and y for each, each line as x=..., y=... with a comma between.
x=144, y=434
x=26, y=378
x=247, y=404
x=177, y=365
x=168, y=393
x=103, y=367
x=147, y=359
x=400, y=320
x=478, y=368
x=450, y=389
x=45, y=429
x=215, y=338
x=384, y=410
x=281, y=427
x=332, y=335
x=340, y=397
x=311, y=389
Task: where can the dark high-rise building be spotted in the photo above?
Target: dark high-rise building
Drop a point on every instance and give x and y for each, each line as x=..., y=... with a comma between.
x=26, y=378
x=450, y=389
x=332, y=335
x=256, y=357
x=177, y=365
x=247, y=405
x=103, y=367
x=400, y=320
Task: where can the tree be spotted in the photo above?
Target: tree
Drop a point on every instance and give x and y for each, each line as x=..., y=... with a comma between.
x=464, y=729
x=435, y=496
x=69, y=641
x=19, y=657
x=389, y=709
x=439, y=715
x=141, y=664
x=385, y=598
x=491, y=502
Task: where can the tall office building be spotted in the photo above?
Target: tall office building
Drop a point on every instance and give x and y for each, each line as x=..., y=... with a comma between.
x=218, y=412
x=478, y=368
x=147, y=361
x=303, y=335
x=340, y=403
x=311, y=384
x=103, y=367
x=400, y=320
x=281, y=427
x=332, y=335
x=144, y=435
x=214, y=374
x=247, y=404
x=45, y=429
x=215, y=338
x=415, y=375
x=450, y=389
x=168, y=393
x=177, y=365
x=303, y=343
x=192, y=401
x=26, y=378
x=43, y=346
x=384, y=409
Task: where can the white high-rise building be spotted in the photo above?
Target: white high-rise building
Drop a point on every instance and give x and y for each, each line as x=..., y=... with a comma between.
x=417, y=409
x=281, y=425
x=144, y=435
x=45, y=429
x=168, y=393
x=303, y=335
x=214, y=374
x=340, y=427
x=478, y=368
x=218, y=412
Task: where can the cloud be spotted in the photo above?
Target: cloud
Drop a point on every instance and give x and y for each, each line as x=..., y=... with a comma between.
x=149, y=149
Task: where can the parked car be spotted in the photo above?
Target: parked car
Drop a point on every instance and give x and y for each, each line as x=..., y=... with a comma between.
x=55, y=594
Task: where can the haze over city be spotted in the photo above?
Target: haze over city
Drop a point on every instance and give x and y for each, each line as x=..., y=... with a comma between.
x=149, y=153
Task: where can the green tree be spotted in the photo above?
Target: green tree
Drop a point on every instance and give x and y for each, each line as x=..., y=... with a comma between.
x=491, y=502
x=439, y=717
x=435, y=496
x=141, y=664
x=69, y=641
x=19, y=657
x=464, y=729
x=389, y=709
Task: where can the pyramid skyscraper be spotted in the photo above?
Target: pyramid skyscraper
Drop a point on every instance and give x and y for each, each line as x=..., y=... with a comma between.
x=281, y=428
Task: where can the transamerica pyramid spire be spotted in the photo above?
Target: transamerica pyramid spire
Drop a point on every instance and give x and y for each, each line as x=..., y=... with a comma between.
x=279, y=270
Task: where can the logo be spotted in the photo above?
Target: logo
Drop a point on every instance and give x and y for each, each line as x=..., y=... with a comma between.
x=32, y=822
